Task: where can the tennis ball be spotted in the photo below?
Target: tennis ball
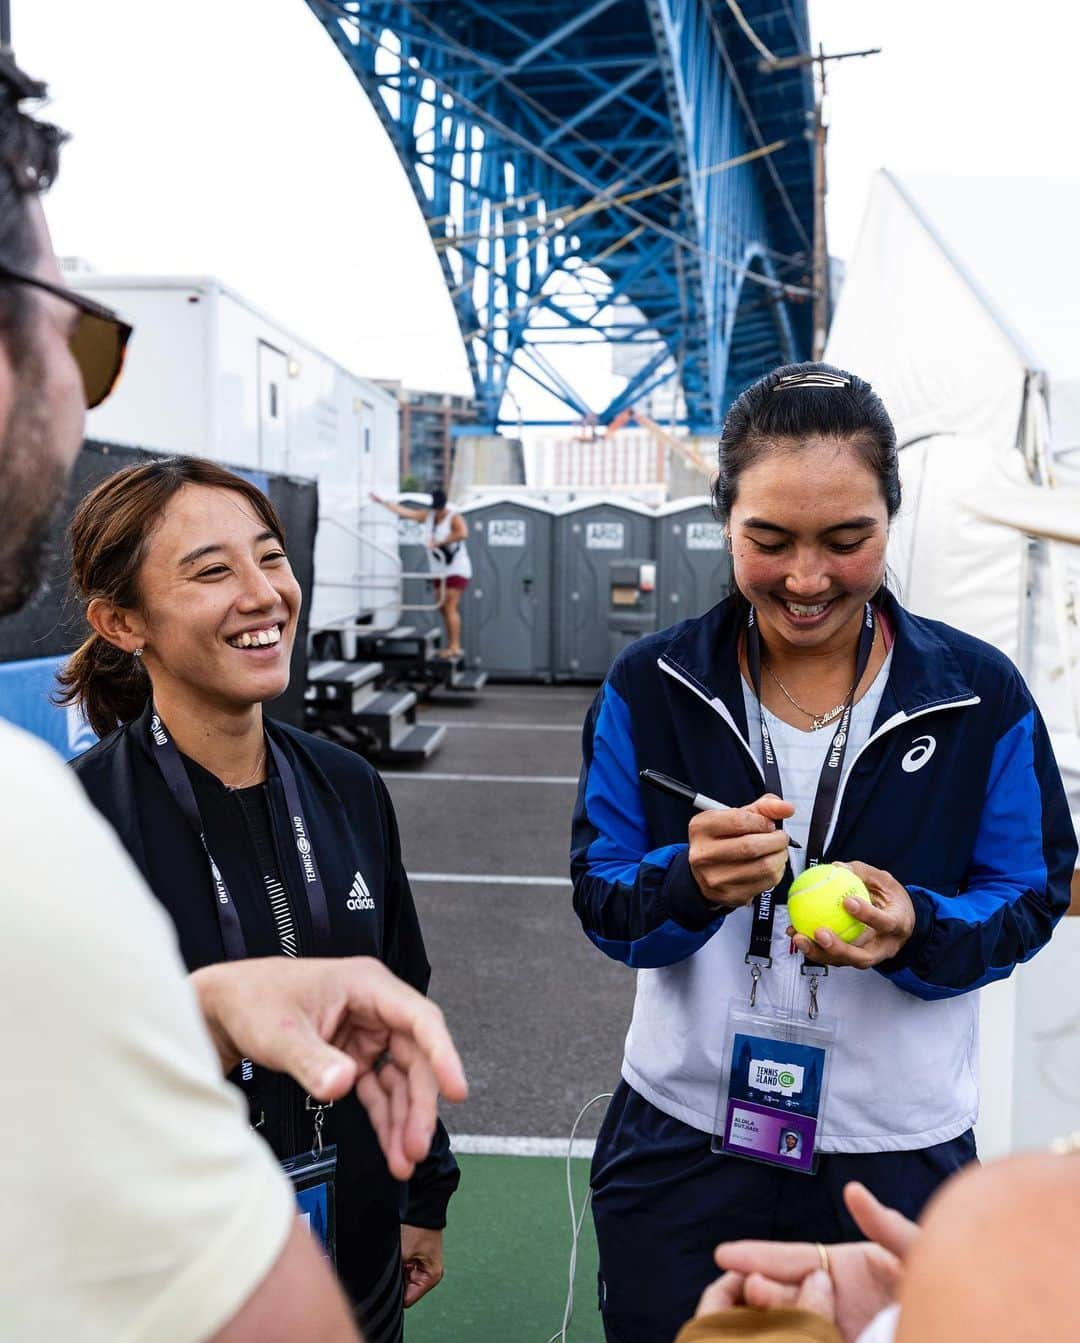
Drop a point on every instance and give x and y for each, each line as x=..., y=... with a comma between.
x=816, y=900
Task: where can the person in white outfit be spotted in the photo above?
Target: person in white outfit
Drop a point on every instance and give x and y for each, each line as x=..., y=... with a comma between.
x=445, y=533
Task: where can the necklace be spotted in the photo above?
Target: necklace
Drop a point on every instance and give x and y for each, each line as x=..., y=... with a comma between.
x=250, y=778
x=817, y=720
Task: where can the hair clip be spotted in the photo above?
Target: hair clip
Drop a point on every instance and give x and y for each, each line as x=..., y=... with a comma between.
x=810, y=379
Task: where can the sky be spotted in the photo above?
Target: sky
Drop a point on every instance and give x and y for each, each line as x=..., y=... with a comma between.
x=228, y=137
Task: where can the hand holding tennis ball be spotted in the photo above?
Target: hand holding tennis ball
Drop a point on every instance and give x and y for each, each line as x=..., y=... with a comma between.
x=884, y=921
x=816, y=900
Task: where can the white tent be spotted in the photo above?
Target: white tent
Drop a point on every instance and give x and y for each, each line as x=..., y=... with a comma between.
x=961, y=305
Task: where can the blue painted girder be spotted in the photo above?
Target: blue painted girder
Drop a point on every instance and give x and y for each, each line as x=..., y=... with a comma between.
x=593, y=171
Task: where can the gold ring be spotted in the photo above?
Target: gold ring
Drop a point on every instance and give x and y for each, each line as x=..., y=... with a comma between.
x=823, y=1255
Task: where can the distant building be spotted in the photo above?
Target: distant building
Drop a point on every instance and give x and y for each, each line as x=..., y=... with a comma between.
x=427, y=421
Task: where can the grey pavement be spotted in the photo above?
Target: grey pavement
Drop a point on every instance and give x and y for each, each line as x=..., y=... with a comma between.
x=539, y=1013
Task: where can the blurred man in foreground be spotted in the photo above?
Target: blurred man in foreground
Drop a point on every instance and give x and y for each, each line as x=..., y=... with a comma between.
x=138, y=1204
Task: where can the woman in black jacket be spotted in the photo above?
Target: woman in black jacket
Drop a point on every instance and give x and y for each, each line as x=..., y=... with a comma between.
x=257, y=838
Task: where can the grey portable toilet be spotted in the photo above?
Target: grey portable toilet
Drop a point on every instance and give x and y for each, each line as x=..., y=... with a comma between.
x=506, y=612
x=693, y=557
x=414, y=560
x=590, y=535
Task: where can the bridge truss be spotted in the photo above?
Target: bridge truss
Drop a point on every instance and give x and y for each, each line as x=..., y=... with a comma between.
x=620, y=171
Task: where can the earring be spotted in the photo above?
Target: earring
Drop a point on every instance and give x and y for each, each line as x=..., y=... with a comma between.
x=136, y=653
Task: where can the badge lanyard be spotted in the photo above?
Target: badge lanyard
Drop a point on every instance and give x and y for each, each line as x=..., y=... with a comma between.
x=167, y=758
x=759, y=956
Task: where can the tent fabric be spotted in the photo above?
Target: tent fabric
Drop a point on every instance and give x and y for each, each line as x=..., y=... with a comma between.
x=1052, y=515
x=959, y=305
x=962, y=306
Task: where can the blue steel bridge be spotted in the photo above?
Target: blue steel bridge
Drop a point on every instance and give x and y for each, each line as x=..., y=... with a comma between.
x=603, y=170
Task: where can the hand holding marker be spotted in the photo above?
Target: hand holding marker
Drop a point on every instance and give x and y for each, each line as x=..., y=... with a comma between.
x=734, y=853
x=699, y=801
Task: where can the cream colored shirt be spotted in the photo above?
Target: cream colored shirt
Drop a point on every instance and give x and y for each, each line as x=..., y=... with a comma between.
x=136, y=1204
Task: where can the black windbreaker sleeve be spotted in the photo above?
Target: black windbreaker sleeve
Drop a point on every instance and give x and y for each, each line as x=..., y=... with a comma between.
x=438, y=1175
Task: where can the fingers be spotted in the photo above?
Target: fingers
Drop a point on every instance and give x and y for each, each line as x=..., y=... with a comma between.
x=377, y=1104
x=817, y=1294
x=766, y=1294
x=419, y=1280
x=881, y=920
x=787, y=1262
x=828, y=949
x=889, y=1228
x=873, y=877
x=423, y=1096
x=370, y=987
x=385, y=1097
x=773, y=807
x=323, y=1071
x=731, y=822
x=730, y=865
x=724, y=1294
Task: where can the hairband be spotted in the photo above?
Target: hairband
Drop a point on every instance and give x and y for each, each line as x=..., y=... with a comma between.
x=812, y=379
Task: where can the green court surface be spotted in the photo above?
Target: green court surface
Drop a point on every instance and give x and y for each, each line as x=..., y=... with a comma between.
x=507, y=1250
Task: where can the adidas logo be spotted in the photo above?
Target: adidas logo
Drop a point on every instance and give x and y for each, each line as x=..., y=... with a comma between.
x=359, y=895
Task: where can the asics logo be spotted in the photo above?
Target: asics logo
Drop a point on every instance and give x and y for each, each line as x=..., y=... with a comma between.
x=922, y=748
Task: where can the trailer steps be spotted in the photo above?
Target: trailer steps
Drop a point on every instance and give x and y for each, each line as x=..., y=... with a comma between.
x=345, y=705
x=401, y=647
x=421, y=741
x=449, y=674
x=342, y=684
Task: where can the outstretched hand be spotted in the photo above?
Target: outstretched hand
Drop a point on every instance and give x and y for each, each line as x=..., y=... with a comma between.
x=865, y=1275
x=889, y=919
x=337, y=1025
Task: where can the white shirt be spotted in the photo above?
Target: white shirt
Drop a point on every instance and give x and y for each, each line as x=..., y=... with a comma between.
x=137, y=1204
x=904, y=1071
x=439, y=533
x=800, y=755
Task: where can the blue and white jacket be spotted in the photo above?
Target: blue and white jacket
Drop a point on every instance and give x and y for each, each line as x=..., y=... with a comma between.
x=956, y=793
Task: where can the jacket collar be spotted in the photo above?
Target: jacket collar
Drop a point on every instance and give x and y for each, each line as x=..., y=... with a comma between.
x=925, y=671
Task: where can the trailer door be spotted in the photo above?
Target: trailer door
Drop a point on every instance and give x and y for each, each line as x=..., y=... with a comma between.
x=273, y=417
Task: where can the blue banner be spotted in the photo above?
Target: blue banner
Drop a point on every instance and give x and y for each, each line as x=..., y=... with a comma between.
x=26, y=690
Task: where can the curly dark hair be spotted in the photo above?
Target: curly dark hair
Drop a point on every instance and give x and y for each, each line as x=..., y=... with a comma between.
x=29, y=161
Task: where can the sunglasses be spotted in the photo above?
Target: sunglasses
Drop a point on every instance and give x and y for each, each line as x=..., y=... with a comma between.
x=98, y=341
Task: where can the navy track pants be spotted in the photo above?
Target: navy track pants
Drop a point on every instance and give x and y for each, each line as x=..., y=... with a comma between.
x=662, y=1200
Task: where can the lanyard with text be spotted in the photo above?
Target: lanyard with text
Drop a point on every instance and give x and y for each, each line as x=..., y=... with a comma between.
x=758, y=957
x=167, y=758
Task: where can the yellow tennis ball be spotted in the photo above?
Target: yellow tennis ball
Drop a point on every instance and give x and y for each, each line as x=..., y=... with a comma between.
x=816, y=900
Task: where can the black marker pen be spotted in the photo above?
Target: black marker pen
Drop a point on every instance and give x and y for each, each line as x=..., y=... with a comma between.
x=699, y=801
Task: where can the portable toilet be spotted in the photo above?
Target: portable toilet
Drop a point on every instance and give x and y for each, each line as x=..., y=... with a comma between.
x=694, y=559
x=416, y=592
x=597, y=542
x=506, y=612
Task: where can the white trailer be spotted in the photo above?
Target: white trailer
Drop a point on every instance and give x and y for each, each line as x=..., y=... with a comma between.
x=209, y=374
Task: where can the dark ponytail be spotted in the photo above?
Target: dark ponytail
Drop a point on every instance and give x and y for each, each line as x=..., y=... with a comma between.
x=109, y=685
x=108, y=541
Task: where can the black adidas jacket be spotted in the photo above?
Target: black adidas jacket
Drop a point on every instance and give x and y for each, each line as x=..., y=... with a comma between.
x=350, y=815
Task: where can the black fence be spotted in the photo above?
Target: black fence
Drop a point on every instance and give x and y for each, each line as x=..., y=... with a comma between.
x=52, y=624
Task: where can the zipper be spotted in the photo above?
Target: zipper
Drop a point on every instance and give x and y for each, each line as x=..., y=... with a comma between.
x=717, y=705
x=897, y=720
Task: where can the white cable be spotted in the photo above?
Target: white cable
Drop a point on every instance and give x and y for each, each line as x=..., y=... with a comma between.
x=741, y=20
x=576, y=1222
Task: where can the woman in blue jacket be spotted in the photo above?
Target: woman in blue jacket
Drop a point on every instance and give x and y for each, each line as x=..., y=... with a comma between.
x=811, y=699
x=257, y=838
